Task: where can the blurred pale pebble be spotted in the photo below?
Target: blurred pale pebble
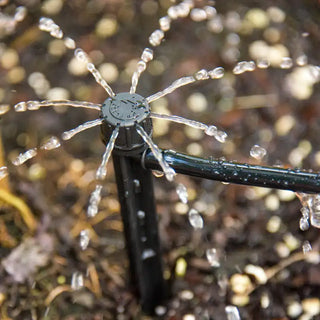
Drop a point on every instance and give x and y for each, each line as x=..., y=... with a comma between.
x=294, y=309
x=181, y=267
x=160, y=310
x=76, y=68
x=189, y=316
x=193, y=133
x=240, y=300
x=36, y=172
x=156, y=67
x=197, y=102
x=317, y=158
x=272, y=202
x=16, y=75
x=259, y=49
x=300, y=82
x=181, y=208
x=194, y=149
x=257, y=192
x=109, y=72
x=257, y=272
x=149, y=7
x=215, y=24
x=4, y=108
x=276, y=54
x=106, y=27
x=9, y=58
x=56, y=47
x=186, y=295
x=51, y=7
x=58, y=93
x=3, y=2
x=240, y=283
x=291, y=241
x=286, y=195
x=160, y=128
x=257, y=18
x=273, y=224
x=265, y=300
x=272, y=35
x=276, y=14
x=284, y=124
x=311, y=306
x=282, y=250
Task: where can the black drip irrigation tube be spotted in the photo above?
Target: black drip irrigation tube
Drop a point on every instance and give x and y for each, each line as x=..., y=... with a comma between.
x=296, y=180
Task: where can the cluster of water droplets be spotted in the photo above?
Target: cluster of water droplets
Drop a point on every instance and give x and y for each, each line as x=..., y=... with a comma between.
x=48, y=25
x=310, y=210
x=8, y=23
x=147, y=56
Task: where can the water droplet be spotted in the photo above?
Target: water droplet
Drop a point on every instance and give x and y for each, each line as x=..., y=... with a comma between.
x=4, y=108
x=306, y=247
x=20, y=107
x=147, y=55
x=202, y=75
x=244, y=66
x=286, y=63
x=221, y=136
x=182, y=193
x=302, y=60
x=52, y=143
x=305, y=212
x=165, y=23
x=173, y=12
x=84, y=239
x=210, y=12
x=20, y=13
x=215, y=24
x=304, y=224
x=198, y=14
x=141, y=66
x=216, y=73
x=3, y=172
x=77, y=281
x=23, y=157
x=69, y=43
x=94, y=201
x=81, y=55
x=257, y=152
x=156, y=37
x=141, y=214
x=195, y=219
x=213, y=257
x=147, y=254
x=232, y=313
x=33, y=105
x=263, y=63
x=169, y=173
x=211, y=130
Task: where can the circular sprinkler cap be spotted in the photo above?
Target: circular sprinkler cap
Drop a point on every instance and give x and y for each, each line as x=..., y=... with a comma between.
x=126, y=110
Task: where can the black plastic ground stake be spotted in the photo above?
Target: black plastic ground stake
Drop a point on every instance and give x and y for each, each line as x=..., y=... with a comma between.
x=136, y=195
x=252, y=175
x=135, y=190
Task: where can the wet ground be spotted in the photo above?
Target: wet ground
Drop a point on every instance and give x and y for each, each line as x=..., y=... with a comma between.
x=246, y=225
